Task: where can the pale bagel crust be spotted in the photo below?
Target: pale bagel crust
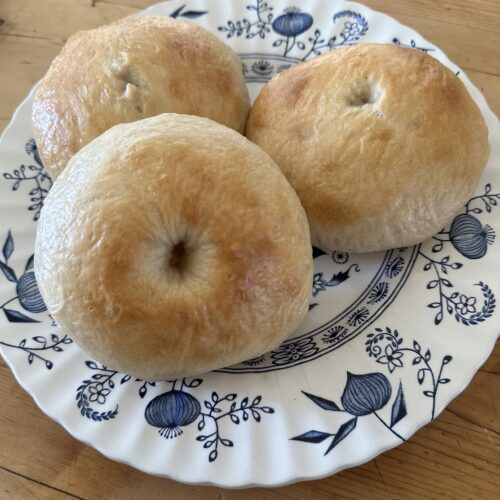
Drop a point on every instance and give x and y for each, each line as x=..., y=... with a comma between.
x=132, y=69
x=383, y=144
x=110, y=276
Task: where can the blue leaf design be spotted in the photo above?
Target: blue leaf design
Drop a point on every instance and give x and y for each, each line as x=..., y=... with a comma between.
x=193, y=14
x=176, y=12
x=399, y=410
x=17, y=317
x=312, y=437
x=338, y=278
x=343, y=432
x=447, y=359
x=317, y=252
x=8, y=246
x=322, y=402
x=30, y=263
x=8, y=272
x=194, y=383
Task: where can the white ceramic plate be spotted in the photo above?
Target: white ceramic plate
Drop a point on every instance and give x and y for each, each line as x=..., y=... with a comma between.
x=390, y=338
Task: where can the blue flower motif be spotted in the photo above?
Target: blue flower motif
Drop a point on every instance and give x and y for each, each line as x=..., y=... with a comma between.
x=350, y=30
x=333, y=333
x=29, y=295
x=171, y=411
x=31, y=149
x=292, y=23
x=365, y=394
x=262, y=68
x=319, y=284
x=34, y=175
x=254, y=361
x=98, y=393
x=340, y=257
x=378, y=293
x=300, y=349
x=358, y=317
x=470, y=237
x=466, y=304
x=392, y=358
x=394, y=267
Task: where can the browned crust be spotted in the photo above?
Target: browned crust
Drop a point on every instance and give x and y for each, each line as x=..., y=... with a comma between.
x=131, y=69
x=385, y=174
x=111, y=217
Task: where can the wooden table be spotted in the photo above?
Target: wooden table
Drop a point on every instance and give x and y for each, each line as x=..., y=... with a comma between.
x=457, y=456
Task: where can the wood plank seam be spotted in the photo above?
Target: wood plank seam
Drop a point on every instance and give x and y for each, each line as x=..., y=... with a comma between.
x=40, y=483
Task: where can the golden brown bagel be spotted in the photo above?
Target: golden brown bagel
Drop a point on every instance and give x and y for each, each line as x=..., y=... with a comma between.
x=383, y=144
x=171, y=246
x=131, y=69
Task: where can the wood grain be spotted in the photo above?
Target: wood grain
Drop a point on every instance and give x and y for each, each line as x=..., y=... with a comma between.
x=456, y=457
x=13, y=485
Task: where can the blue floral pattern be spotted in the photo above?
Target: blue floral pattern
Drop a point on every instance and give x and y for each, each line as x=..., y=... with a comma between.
x=171, y=410
x=378, y=293
x=37, y=348
x=390, y=277
x=28, y=296
x=386, y=347
x=320, y=284
x=177, y=408
x=27, y=293
x=291, y=36
x=334, y=333
x=294, y=351
x=363, y=395
x=99, y=386
x=412, y=45
x=188, y=14
x=293, y=23
x=367, y=394
x=470, y=238
x=33, y=175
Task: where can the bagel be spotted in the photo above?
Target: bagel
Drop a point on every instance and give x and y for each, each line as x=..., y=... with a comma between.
x=132, y=69
x=383, y=144
x=171, y=246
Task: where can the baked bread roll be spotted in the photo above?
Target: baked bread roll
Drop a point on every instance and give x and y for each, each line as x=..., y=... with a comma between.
x=172, y=246
x=132, y=69
x=383, y=144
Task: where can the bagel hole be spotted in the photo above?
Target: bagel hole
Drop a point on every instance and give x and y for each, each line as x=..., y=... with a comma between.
x=179, y=257
x=129, y=76
x=363, y=94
